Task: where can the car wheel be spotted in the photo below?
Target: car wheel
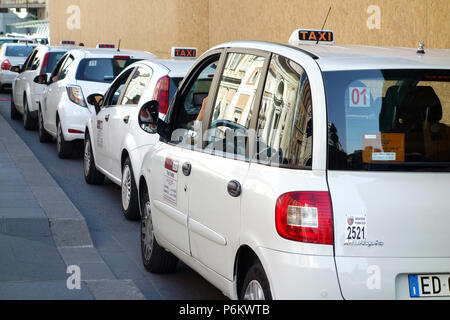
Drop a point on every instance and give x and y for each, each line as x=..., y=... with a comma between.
x=28, y=122
x=15, y=115
x=91, y=174
x=63, y=147
x=256, y=286
x=154, y=257
x=44, y=136
x=130, y=202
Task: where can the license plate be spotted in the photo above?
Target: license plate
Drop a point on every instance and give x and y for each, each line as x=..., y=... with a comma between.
x=429, y=286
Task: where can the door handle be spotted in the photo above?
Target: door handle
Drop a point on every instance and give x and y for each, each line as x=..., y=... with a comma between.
x=126, y=119
x=107, y=117
x=234, y=188
x=187, y=168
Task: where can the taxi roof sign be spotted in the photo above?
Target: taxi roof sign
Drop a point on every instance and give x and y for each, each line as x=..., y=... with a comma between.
x=179, y=52
x=68, y=42
x=307, y=36
x=106, y=46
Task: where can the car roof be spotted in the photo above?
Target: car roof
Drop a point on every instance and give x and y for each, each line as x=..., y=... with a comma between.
x=351, y=57
x=106, y=53
x=174, y=67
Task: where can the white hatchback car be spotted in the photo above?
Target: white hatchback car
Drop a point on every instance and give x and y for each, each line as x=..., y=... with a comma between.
x=316, y=172
x=115, y=144
x=26, y=93
x=64, y=111
x=12, y=54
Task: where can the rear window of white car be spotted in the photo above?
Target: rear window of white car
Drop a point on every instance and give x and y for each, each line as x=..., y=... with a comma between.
x=102, y=69
x=18, y=51
x=388, y=120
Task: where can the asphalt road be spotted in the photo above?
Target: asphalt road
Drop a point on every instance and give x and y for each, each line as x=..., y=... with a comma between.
x=116, y=239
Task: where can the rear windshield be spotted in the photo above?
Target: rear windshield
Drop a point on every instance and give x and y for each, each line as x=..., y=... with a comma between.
x=18, y=51
x=102, y=69
x=388, y=120
x=53, y=59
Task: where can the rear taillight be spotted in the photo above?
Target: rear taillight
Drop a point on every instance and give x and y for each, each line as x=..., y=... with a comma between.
x=161, y=93
x=6, y=65
x=45, y=64
x=305, y=217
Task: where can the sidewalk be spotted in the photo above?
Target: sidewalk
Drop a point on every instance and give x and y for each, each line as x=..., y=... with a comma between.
x=42, y=233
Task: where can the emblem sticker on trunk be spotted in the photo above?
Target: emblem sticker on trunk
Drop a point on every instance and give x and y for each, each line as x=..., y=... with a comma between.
x=355, y=229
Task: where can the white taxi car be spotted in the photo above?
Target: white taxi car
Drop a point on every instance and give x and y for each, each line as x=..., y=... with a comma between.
x=114, y=143
x=26, y=93
x=63, y=111
x=315, y=172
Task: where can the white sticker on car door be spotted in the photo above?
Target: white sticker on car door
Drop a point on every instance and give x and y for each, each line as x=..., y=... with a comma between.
x=170, y=181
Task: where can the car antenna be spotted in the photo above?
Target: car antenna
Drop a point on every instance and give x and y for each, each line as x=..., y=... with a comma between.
x=118, y=47
x=326, y=19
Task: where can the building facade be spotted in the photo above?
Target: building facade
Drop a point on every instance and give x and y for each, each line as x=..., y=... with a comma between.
x=157, y=25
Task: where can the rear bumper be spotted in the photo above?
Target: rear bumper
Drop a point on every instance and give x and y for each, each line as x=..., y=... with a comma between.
x=74, y=118
x=300, y=277
x=384, y=278
x=7, y=77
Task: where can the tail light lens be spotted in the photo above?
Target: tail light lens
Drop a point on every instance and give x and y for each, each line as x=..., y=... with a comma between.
x=161, y=94
x=6, y=65
x=45, y=63
x=305, y=217
x=76, y=95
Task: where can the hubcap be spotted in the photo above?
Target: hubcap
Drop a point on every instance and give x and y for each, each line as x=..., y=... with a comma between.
x=87, y=157
x=254, y=291
x=147, y=232
x=126, y=187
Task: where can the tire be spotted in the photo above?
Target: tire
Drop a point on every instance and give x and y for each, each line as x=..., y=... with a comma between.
x=154, y=257
x=130, y=201
x=63, y=147
x=15, y=115
x=91, y=174
x=28, y=122
x=44, y=136
x=256, y=285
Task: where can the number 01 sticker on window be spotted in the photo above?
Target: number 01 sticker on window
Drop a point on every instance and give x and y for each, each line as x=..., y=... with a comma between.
x=359, y=97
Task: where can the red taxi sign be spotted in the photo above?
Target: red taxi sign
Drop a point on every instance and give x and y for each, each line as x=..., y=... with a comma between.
x=305, y=36
x=106, y=46
x=178, y=52
x=68, y=42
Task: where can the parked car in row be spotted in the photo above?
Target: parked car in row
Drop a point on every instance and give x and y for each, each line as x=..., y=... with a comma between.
x=12, y=54
x=320, y=172
x=26, y=94
x=63, y=110
x=114, y=143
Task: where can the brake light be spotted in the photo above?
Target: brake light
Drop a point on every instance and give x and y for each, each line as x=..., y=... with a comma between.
x=6, y=65
x=122, y=57
x=305, y=217
x=45, y=63
x=161, y=93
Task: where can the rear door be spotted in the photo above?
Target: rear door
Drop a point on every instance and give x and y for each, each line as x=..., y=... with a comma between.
x=389, y=161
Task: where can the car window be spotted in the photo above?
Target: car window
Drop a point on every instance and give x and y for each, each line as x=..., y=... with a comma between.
x=136, y=86
x=233, y=108
x=115, y=91
x=28, y=63
x=18, y=51
x=36, y=61
x=284, y=130
x=102, y=69
x=53, y=59
x=389, y=120
x=65, y=68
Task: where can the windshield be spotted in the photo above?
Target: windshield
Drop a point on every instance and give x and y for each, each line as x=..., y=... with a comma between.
x=102, y=69
x=384, y=120
x=18, y=51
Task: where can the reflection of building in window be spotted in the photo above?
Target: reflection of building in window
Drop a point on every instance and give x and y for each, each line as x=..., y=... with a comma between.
x=136, y=87
x=285, y=121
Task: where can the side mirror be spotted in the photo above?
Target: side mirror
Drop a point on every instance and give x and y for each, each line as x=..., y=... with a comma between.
x=149, y=116
x=41, y=79
x=96, y=100
x=16, y=69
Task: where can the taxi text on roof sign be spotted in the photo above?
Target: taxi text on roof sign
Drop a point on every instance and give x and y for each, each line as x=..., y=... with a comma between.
x=105, y=46
x=184, y=52
x=305, y=36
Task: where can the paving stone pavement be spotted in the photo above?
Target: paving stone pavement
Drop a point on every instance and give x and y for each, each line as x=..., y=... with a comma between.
x=42, y=233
